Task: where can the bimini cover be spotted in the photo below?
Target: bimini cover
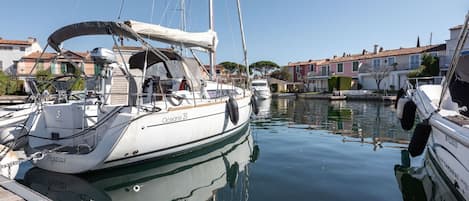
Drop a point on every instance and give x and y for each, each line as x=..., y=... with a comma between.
x=206, y=40
x=89, y=28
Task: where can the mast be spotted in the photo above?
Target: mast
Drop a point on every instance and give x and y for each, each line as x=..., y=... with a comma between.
x=211, y=54
x=243, y=38
x=183, y=22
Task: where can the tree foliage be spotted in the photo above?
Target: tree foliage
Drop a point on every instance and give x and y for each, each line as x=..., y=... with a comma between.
x=264, y=66
x=430, y=67
x=43, y=78
x=233, y=67
x=281, y=74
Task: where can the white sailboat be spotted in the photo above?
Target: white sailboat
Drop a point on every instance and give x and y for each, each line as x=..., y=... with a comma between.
x=444, y=127
x=195, y=176
x=156, y=103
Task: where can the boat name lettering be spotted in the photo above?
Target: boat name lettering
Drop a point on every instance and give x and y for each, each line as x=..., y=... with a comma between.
x=452, y=141
x=175, y=118
x=57, y=159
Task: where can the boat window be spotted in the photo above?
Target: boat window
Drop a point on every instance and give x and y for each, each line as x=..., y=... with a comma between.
x=221, y=93
x=157, y=70
x=176, y=69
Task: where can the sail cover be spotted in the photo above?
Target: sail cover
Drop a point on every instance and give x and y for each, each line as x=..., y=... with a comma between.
x=206, y=40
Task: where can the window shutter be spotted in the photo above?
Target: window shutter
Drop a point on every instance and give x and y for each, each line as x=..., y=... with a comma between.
x=63, y=68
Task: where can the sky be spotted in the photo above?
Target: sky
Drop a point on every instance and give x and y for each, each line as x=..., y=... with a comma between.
x=279, y=31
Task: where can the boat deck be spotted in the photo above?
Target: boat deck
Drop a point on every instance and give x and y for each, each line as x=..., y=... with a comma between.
x=459, y=120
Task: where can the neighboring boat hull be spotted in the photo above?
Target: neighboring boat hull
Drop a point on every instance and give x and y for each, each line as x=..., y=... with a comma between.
x=448, y=142
x=150, y=136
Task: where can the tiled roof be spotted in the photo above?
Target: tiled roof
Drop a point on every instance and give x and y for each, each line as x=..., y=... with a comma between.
x=15, y=42
x=306, y=62
x=35, y=55
x=388, y=53
x=456, y=27
x=48, y=55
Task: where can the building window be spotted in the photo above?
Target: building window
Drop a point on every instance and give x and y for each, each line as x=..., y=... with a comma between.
x=433, y=54
x=6, y=48
x=355, y=66
x=414, y=61
x=391, y=61
x=376, y=63
x=22, y=49
x=311, y=68
x=340, y=68
x=297, y=69
x=324, y=70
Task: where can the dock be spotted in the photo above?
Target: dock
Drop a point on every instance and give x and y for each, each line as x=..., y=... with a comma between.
x=330, y=97
x=8, y=99
x=10, y=190
x=367, y=97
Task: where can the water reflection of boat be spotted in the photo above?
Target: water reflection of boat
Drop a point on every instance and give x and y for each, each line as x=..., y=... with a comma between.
x=194, y=176
x=424, y=183
x=264, y=108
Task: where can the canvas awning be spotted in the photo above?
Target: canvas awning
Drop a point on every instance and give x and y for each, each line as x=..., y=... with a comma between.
x=89, y=28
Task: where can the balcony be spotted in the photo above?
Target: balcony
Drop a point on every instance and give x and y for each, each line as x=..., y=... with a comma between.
x=320, y=74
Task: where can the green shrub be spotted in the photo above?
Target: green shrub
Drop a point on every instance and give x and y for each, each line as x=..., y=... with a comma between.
x=4, y=79
x=339, y=83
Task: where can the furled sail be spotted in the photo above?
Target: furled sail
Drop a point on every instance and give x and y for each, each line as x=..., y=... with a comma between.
x=206, y=40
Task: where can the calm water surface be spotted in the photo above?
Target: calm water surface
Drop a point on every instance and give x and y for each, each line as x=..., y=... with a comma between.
x=293, y=150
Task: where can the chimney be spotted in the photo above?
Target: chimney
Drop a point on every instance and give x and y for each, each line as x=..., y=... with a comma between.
x=418, y=41
x=363, y=52
x=375, y=49
x=31, y=39
x=343, y=55
x=335, y=56
x=381, y=49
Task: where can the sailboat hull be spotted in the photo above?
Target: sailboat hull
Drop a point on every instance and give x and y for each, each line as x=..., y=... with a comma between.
x=133, y=138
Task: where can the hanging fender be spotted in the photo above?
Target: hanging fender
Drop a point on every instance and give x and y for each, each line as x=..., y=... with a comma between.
x=233, y=110
x=400, y=106
x=254, y=106
x=407, y=114
x=400, y=94
x=419, y=139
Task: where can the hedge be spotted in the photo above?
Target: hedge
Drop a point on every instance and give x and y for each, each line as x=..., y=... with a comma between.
x=339, y=83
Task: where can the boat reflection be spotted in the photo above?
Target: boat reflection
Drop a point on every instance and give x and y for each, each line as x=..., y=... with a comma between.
x=424, y=183
x=201, y=175
x=264, y=109
x=357, y=121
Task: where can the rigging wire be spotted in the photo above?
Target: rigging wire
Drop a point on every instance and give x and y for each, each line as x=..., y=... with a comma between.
x=152, y=11
x=164, y=12
x=120, y=10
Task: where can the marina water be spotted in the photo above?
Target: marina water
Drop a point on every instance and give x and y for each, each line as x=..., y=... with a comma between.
x=295, y=149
